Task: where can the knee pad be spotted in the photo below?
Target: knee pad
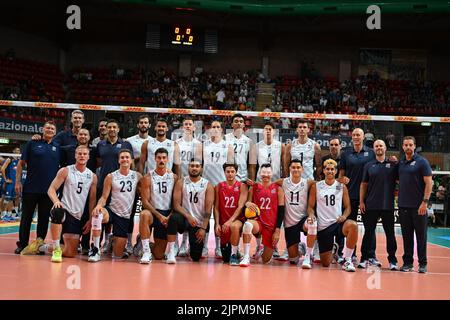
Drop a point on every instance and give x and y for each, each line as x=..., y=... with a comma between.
x=247, y=228
x=312, y=228
x=58, y=215
x=96, y=223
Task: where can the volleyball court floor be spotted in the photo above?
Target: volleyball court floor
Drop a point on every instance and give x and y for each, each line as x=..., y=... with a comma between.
x=35, y=277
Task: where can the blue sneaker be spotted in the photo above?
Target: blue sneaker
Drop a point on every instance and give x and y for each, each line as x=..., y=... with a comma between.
x=234, y=261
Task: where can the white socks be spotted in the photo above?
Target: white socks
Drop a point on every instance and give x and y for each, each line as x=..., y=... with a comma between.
x=246, y=249
x=348, y=253
x=96, y=242
x=234, y=249
x=56, y=244
x=309, y=251
x=146, y=245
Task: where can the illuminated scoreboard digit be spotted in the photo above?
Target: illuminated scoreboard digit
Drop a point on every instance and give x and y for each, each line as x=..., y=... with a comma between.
x=182, y=36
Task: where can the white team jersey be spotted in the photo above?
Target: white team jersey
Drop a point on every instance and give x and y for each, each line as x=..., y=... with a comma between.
x=329, y=203
x=269, y=154
x=162, y=187
x=194, y=195
x=187, y=152
x=214, y=156
x=153, y=145
x=136, y=142
x=76, y=190
x=305, y=153
x=123, y=191
x=295, y=201
x=241, y=149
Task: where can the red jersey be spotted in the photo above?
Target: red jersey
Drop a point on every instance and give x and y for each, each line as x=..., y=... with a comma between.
x=228, y=200
x=267, y=201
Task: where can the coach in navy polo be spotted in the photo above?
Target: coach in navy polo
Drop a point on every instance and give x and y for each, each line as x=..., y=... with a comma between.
x=107, y=152
x=351, y=169
x=414, y=193
x=69, y=137
x=377, y=193
x=42, y=159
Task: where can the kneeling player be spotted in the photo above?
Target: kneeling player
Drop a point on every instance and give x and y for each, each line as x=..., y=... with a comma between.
x=160, y=182
x=230, y=199
x=269, y=198
x=79, y=183
x=121, y=185
x=193, y=197
x=328, y=196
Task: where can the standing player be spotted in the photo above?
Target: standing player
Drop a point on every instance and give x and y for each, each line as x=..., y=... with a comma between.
x=328, y=196
x=193, y=198
x=9, y=170
x=306, y=150
x=147, y=158
x=188, y=148
x=269, y=198
x=121, y=185
x=296, y=219
x=138, y=140
x=241, y=145
x=230, y=198
x=79, y=183
x=69, y=137
x=216, y=152
x=156, y=192
x=102, y=132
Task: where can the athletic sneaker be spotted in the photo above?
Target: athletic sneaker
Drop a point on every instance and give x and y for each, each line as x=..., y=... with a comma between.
x=316, y=255
x=205, y=252
x=340, y=260
x=129, y=248
x=171, y=258
x=245, y=262
x=33, y=248
x=284, y=256
x=422, y=269
x=306, y=264
x=275, y=253
x=218, y=253
x=393, y=267
x=183, y=250
x=407, y=268
x=301, y=249
x=107, y=246
x=57, y=255
x=374, y=262
x=94, y=254
x=146, y=258
x=348, y=266
x=234, y=261
x=138, y=250
x=258, y=253
x=362, y=264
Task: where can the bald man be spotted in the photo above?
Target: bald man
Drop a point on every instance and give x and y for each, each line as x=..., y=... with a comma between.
x=351, y=169
x=377, y=200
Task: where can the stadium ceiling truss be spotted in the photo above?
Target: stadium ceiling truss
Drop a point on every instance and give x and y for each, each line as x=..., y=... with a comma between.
x=301, y=7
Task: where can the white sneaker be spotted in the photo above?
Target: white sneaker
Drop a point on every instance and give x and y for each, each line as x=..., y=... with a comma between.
x=284, y=256
x=146, y=258
x=218, y=253
x=94, y=254
x=171, y=258
x=362, y=264
x=245, y=262
x=182, y=251
x=393, y=267
x=348, y=266
x=306, y=264
x=316, y=255
x=205, y=252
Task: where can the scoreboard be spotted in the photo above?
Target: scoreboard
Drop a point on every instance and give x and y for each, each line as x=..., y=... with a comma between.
x=179, y=37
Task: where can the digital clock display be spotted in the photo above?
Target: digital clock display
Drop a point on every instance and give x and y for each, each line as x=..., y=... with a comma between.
x=183, y=36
